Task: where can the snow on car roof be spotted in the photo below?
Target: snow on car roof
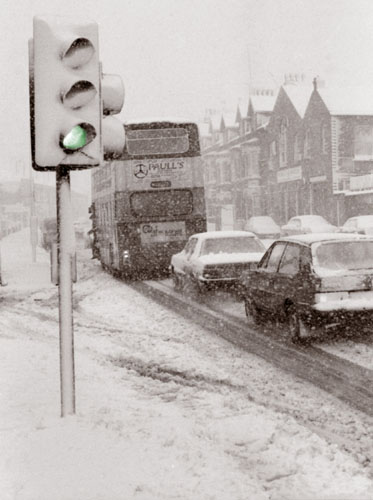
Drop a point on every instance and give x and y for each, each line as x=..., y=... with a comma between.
x=309, y=217
x=223, y=234
x=320, y=237
x=361, y=217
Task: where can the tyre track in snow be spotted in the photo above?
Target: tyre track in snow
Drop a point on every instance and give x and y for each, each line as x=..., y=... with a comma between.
x=343, y=379
x=46, y=311
x=85, y=323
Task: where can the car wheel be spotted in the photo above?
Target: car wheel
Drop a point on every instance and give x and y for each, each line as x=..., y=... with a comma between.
x=176, y=281
x=191, y=286
x=299, y=331
x=252, y=312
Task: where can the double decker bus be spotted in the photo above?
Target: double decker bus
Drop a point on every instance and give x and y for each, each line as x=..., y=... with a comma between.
x=147, y=203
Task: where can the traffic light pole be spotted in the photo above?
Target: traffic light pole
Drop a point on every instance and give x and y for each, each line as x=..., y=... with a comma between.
x=66, y=248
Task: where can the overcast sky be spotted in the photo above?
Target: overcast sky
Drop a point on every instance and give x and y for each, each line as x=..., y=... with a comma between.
x=178, y=57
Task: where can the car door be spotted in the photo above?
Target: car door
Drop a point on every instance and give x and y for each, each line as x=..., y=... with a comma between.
x=265, y=274
x=286, y=280
x=190, y=255
x=180, y=260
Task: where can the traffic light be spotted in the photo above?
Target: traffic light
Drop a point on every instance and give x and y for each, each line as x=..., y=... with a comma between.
x=65, y=94
x=113, y=136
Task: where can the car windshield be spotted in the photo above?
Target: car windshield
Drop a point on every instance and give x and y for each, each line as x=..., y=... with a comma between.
x=231, y=245
x=347, y=255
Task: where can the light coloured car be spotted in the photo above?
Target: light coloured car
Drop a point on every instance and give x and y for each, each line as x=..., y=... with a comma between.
x=361, y=224
x=215, y=258
x=304, y=224
x=264, y=227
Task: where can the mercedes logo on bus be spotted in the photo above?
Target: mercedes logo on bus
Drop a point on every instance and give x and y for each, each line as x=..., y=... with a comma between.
x=141, y=171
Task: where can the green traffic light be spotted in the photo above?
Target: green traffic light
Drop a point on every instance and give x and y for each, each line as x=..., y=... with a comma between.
x=76, y=138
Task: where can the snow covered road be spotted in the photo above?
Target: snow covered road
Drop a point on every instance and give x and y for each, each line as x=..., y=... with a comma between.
x=165, y=409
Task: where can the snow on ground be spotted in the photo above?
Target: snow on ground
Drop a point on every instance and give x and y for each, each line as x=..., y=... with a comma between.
x=165, y=410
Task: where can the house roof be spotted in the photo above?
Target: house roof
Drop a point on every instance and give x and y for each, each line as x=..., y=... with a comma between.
x=242, y=108
x=229, y=120
x=263, y=103
x=215, y=121
x=299, y=95
x=204, y=129
x=347, y=100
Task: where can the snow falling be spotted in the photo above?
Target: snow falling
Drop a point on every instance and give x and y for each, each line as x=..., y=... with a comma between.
x=165, y=410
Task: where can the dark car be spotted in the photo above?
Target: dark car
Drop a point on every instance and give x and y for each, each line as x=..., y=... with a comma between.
x=49, y=232
x=313, y=281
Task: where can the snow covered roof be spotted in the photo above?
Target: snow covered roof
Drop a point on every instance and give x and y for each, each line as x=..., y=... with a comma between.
x=320, y=237
x=242, y=108
x=229, y=120
x=223, y=234
x=155, y=119
x=299, y=96
x=348, y=100
x=263, y=103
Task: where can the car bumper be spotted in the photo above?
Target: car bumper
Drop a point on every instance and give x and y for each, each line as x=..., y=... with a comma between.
x=217, y=281
x=323, y=315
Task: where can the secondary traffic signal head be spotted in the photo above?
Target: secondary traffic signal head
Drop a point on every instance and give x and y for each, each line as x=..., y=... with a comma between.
x=113, y=137
x=66, y=102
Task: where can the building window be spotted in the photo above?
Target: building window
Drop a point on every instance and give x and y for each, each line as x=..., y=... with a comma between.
x=247, y=164
x=227, y=173
x=307, y=145
x=364, y=141
x=283, y=143
x=297, y=149
x=324, y=138
x=272, y=155
x=254, y=162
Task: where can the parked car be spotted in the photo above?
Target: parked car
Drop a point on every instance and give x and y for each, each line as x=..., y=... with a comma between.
x=82, y=227
x=304, y=224
x=313, y=281
x=215, y=258
x=49, y=232
x=361, y=224
x=264, y=227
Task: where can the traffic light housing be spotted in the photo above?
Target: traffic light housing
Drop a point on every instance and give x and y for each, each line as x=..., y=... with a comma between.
x=65, y=102
x=113, y=136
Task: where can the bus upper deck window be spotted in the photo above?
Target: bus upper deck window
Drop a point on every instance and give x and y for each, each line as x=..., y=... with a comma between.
x=157, y=141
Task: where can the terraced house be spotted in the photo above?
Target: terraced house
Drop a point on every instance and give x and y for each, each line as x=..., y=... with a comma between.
x=307, y=150
x=232, y=162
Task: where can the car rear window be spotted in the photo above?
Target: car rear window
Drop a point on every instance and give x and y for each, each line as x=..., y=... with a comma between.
x=343, y=255
x=232, y=245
